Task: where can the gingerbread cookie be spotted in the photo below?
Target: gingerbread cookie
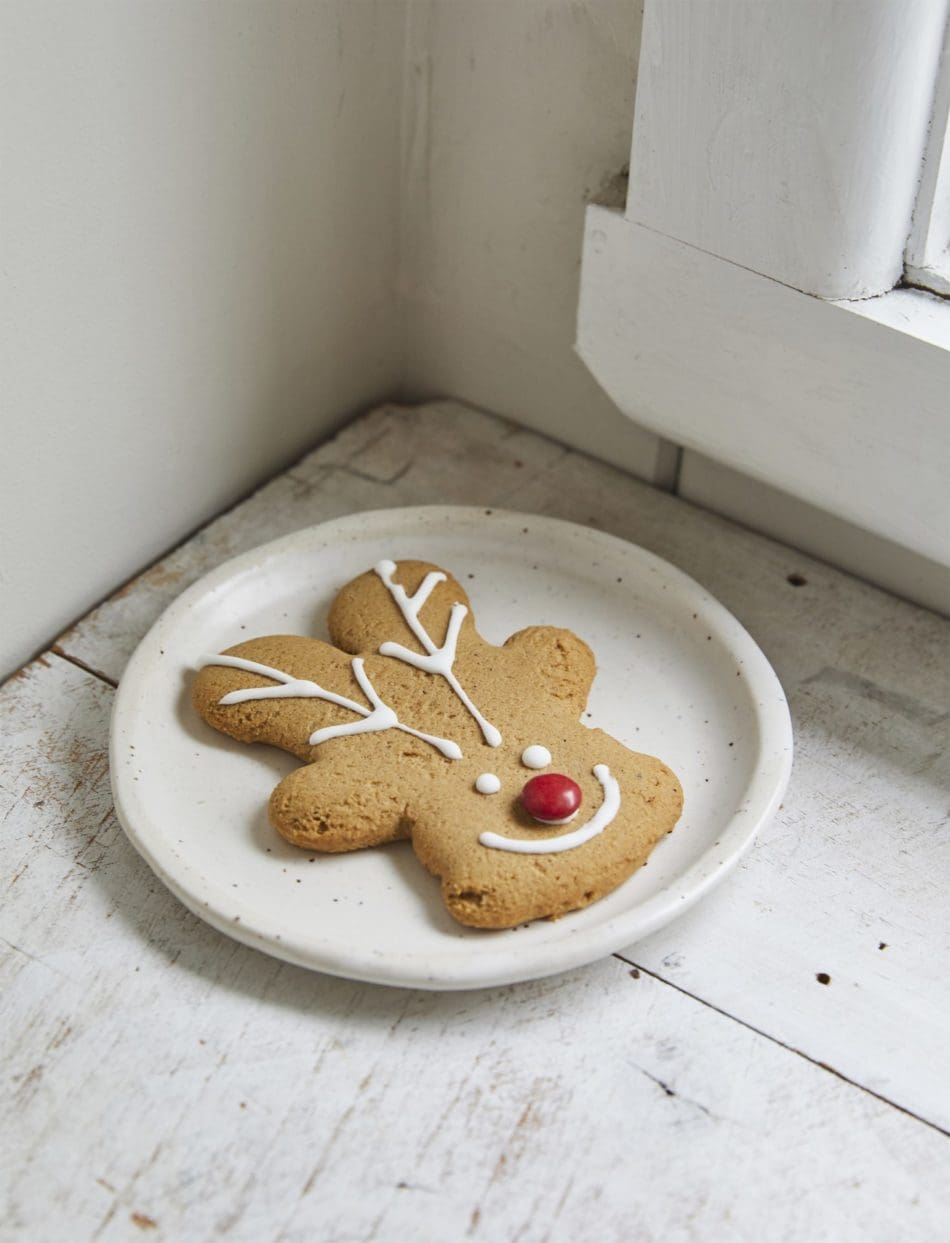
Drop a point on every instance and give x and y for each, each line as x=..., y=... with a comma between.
x=410, y=725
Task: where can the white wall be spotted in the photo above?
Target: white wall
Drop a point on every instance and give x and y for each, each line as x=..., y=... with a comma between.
x=516, y=114
x=207, y=208
x=226, y=227
x=199, y=208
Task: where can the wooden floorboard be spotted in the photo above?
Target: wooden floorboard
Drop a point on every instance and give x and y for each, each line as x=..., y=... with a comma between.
x=159, y=1073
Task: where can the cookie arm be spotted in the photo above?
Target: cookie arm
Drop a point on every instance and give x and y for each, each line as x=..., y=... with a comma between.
x=332, y=807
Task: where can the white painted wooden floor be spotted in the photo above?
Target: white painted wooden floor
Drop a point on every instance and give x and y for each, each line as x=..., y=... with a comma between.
x=162, y=1081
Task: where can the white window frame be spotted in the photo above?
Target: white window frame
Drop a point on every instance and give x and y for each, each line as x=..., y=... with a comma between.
x=927, y=259
x=744, y=304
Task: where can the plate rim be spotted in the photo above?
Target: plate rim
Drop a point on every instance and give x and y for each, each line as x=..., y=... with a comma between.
x=503, y=965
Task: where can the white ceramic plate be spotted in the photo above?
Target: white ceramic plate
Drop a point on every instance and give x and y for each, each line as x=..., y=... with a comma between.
x=678, y=677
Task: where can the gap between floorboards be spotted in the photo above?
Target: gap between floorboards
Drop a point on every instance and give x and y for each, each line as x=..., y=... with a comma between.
x=934, y=1126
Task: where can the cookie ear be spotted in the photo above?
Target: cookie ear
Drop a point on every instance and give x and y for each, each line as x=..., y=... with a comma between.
x=366, y=612
x=562, y=665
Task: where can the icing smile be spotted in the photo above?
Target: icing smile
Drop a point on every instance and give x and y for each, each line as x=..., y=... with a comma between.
x=567, y=841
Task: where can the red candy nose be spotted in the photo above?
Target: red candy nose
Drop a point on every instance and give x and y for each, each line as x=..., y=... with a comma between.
x=551, y=798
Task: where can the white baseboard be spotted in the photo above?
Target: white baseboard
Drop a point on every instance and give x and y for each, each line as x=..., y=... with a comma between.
x=814, y=531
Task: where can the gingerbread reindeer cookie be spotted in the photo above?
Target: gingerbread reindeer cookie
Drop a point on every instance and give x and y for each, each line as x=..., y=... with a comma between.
x=410, y=725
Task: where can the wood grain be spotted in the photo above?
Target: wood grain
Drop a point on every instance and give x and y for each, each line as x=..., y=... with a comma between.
x=858, y=856
x=162, y=1080
x=163, y=1077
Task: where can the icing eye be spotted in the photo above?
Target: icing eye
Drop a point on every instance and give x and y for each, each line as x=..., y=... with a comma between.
x=536, y=756
x=487, y=783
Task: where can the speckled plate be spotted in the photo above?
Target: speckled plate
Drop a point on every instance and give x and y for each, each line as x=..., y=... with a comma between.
x=678, y=677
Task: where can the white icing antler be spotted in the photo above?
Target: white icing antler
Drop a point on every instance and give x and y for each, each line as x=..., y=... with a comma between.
x=437, y=659
x=379, y=717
